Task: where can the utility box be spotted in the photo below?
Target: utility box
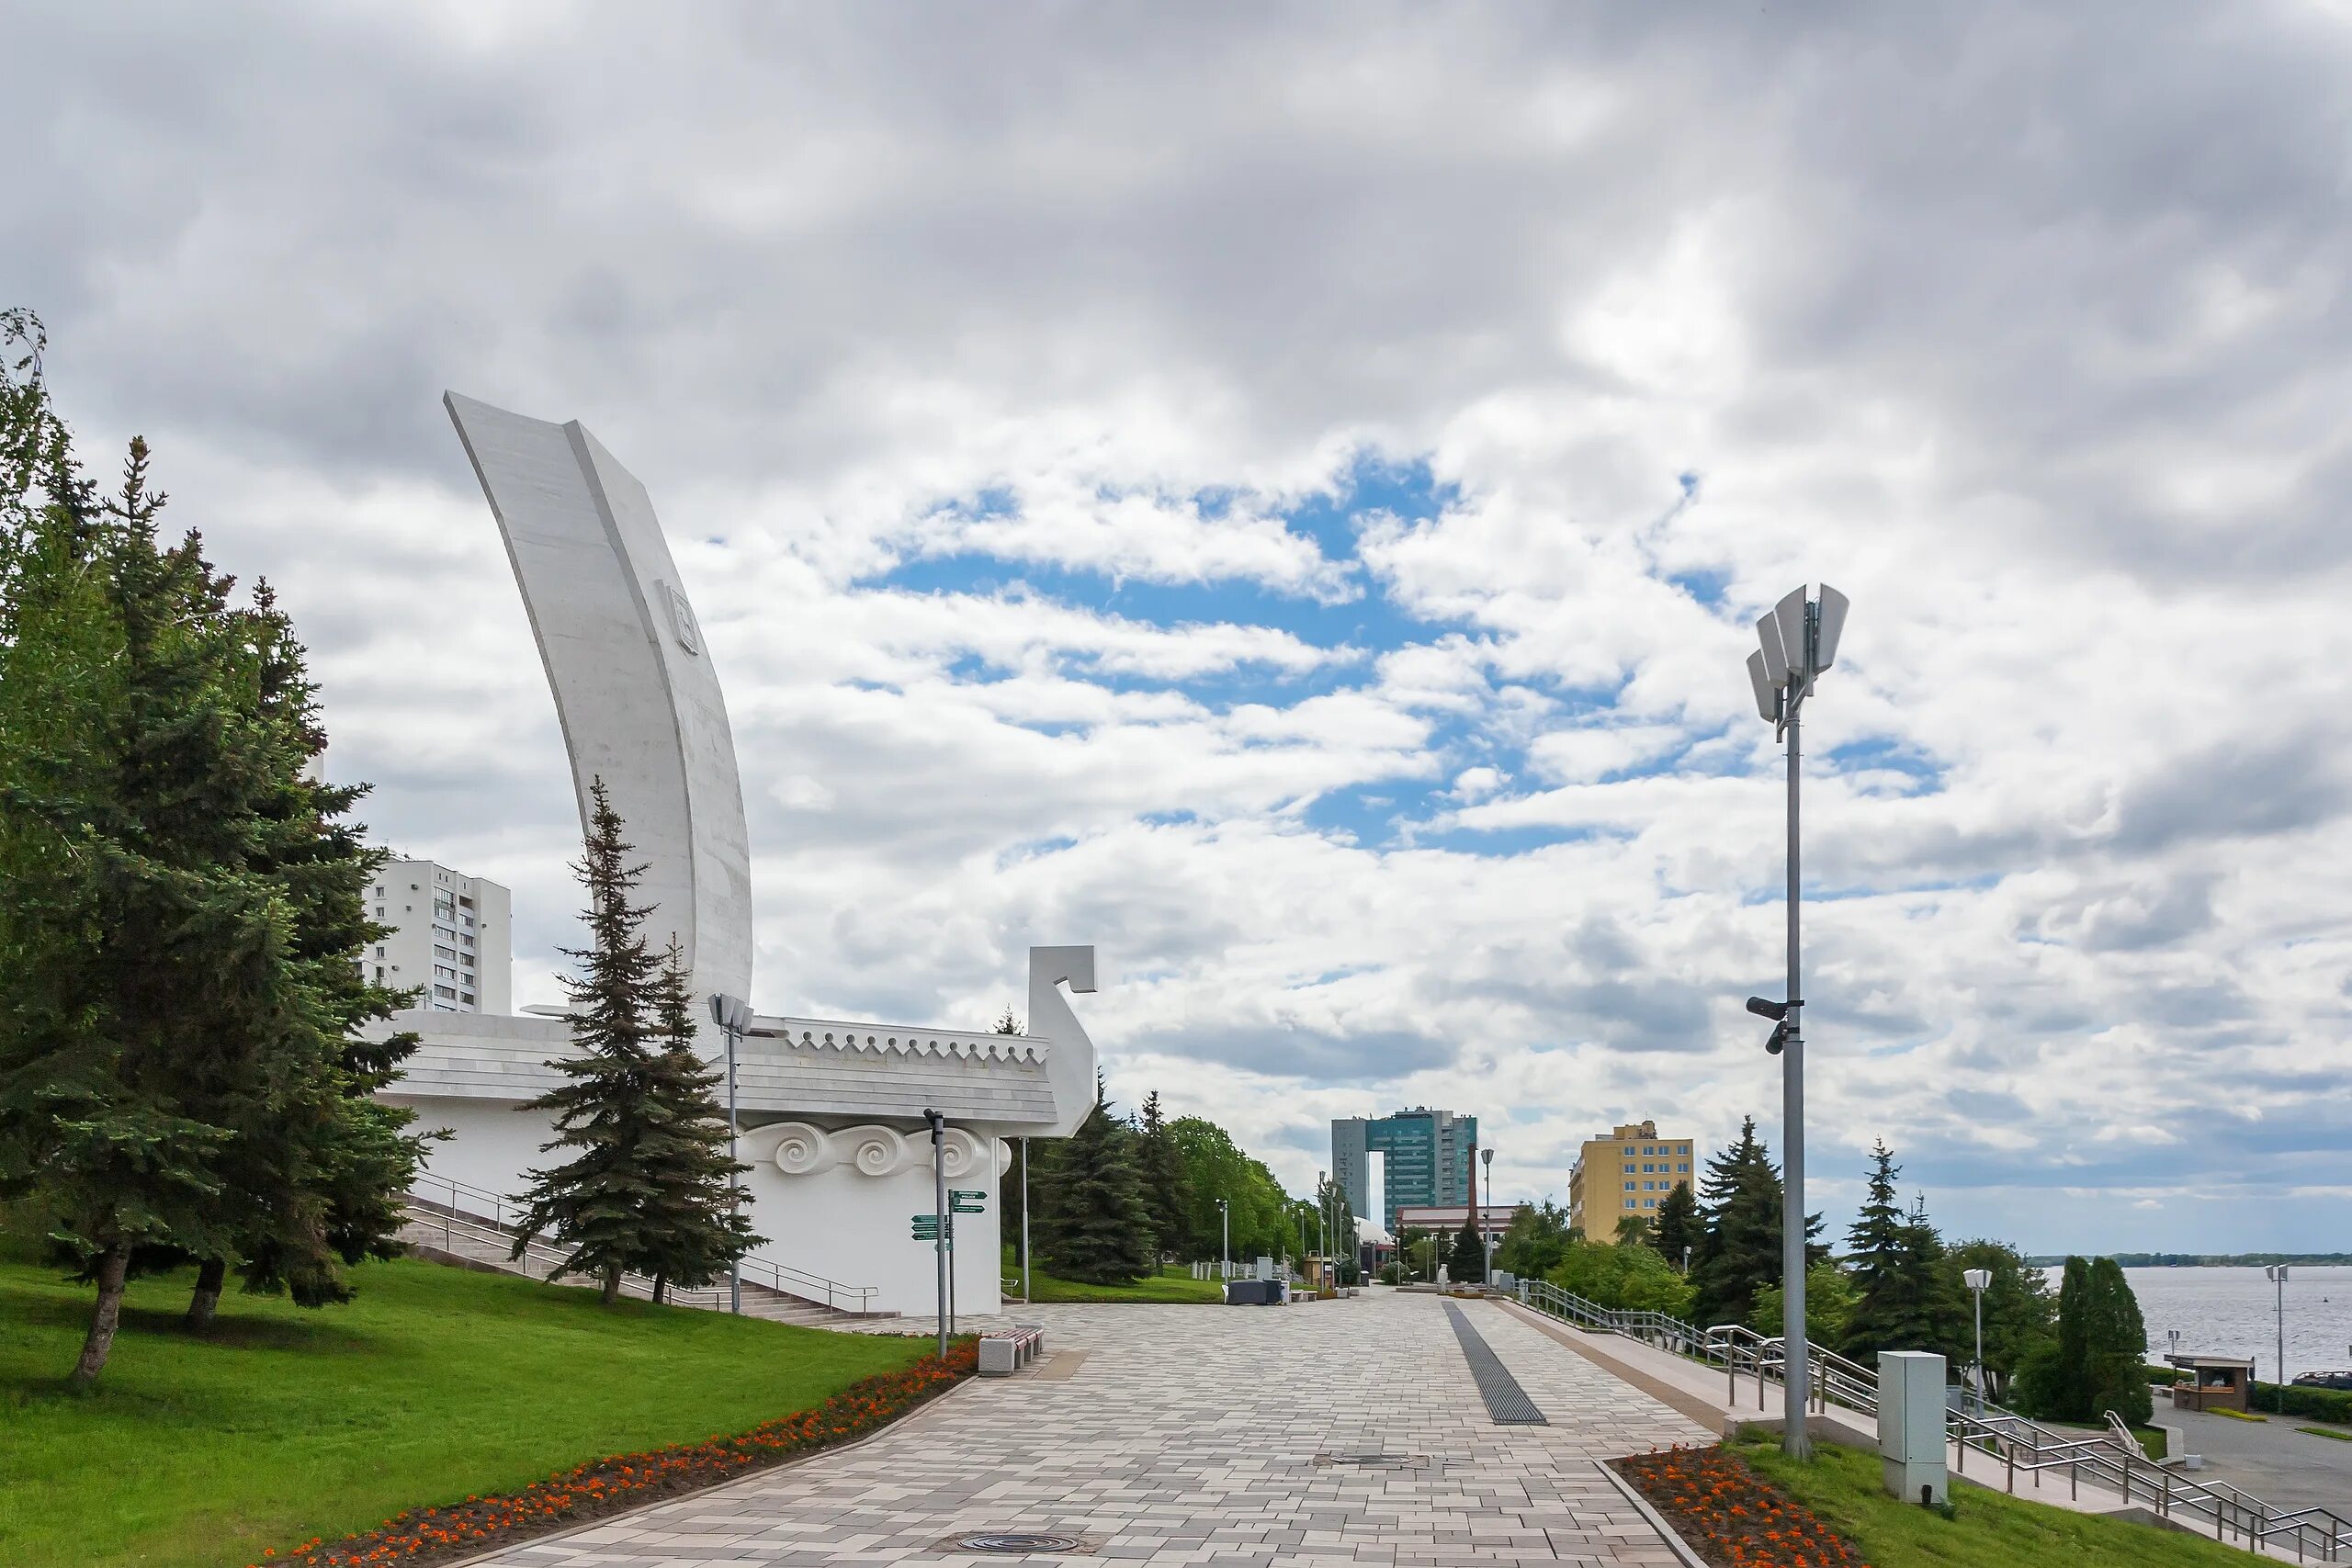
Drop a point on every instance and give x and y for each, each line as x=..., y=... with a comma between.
x=1911, y=1425
x=1265, y=1268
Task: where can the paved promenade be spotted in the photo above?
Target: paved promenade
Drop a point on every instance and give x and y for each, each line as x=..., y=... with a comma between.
x=1333, y=1432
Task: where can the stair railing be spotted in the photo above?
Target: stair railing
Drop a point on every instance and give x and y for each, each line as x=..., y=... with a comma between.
x=2013, y=1442
x=451, y=1203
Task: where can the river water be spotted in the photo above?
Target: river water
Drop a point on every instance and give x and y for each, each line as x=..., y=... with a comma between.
x=2231, y=1312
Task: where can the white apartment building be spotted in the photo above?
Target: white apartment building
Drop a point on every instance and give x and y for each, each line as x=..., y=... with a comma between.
x=452, y=941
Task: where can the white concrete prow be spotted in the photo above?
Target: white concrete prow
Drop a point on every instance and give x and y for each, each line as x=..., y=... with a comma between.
x=1070, y=1066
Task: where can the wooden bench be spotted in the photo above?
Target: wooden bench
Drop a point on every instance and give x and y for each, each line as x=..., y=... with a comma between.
x=1004, y=1351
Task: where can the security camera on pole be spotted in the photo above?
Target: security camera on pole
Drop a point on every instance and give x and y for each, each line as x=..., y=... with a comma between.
x=1799, y=641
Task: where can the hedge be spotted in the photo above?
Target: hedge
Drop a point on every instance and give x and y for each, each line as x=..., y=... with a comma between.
x=2324, y=1404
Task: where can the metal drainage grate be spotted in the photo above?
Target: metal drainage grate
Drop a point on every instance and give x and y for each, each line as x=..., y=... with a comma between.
x=1015, y=1545
x=1374, y=1462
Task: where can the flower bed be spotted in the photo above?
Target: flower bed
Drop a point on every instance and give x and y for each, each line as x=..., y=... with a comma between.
x=1731, y=1515
x=424, y=1535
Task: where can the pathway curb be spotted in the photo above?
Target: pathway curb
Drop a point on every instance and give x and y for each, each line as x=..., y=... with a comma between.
x=488, y=1553
x=1680, y=1548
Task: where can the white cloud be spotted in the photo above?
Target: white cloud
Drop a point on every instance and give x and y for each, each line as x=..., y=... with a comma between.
x=2046, y=373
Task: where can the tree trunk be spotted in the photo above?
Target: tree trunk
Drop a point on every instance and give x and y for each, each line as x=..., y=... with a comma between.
x=660, y=1288
x=611, y=1284
x=113, y=1264
x=207, y=1299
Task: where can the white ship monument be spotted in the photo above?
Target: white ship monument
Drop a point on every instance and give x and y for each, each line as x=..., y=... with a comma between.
x=831, y=1109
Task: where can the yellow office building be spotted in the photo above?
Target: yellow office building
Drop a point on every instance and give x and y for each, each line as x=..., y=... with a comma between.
x=1628, y=1172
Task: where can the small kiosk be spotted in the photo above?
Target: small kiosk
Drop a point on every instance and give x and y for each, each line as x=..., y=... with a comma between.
x=2211, y=1383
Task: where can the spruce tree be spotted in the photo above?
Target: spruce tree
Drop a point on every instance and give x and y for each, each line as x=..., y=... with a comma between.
x=1907, y=1292
x=1092, y=1224
x=1739, y=1253
x=1679, y=1226
x=1161, y=1165
x=598, y=1204
x=698, y=1226
x=179, y=910
x=148, y=1005
x=319, y=1183
x=1466, y=1265
x=1740, y=1250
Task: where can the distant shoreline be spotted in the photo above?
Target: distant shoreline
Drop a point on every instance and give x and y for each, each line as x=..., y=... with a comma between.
x=2200, y=1260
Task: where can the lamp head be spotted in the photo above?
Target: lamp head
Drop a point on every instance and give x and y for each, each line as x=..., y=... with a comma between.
x=1778, y=1041
x=1976, y=1279
x=1765, y=1008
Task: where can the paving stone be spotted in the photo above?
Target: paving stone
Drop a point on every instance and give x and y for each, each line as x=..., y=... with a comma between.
x=1193, y=1435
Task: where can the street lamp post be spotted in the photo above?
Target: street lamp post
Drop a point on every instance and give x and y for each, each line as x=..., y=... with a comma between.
x=1026, y=1297
x=1797, y=642
x=1225, y=1240
x=1487, y=1158
x=2276, y=1274
x=1976, y=1280
x=733, y=1016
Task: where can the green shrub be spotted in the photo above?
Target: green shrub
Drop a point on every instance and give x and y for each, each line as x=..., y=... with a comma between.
x=2326, y=1404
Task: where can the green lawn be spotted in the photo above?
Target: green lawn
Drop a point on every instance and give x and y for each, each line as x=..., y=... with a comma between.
x=1168, y=1285
x=281, y=1424
x=1842, y=1485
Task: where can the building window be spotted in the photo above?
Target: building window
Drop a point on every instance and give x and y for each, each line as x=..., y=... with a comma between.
x=1685, y=1168
x=448, y=991
x=445, y=954
x=1629, y=1170
x=1629, y=1187
x=380, y=974
x=1650, y=1203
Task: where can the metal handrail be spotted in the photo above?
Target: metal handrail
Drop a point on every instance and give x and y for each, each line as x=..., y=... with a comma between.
x=505, y=1215
x=2018, y=1443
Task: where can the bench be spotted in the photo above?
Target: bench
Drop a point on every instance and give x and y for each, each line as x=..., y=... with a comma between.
x=1004, y=1351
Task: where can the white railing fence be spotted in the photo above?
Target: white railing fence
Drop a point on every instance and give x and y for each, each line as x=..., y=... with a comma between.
x=2009, y=1442
x=482, y=1216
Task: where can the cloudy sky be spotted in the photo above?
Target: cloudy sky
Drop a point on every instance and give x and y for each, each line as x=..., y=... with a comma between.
x=1282, y=494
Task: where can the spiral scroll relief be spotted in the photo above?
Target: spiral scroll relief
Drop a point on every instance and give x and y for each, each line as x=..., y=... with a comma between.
x=802, y=1149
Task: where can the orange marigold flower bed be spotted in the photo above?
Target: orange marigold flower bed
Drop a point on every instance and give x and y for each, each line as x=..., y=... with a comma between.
x=1731, y=1515
x=568, y=1498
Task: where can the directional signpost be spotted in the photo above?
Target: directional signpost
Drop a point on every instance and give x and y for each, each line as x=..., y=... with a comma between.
x=926, y=1228
x=967, y=1202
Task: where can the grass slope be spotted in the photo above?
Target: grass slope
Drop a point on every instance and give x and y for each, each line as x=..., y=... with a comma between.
x=281, y=1424
x=1843, y=1486
x=1168, y=1285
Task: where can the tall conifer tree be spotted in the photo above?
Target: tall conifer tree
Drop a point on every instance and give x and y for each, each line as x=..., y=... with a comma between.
x=1092, y=1225
x=1161, y=1165
x=598, y=1202
x=1740, y=1251
x=698, y=1226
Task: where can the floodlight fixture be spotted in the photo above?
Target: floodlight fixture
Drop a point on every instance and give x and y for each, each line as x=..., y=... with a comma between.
x=1768, y=701
x=1776, y=655
x=1793, y=616
x=1976, y=1279
x=1794, y=643
x=1829, y=619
